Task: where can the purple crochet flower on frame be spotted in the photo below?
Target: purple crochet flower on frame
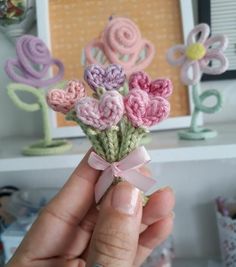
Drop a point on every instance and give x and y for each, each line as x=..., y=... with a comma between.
x=200, y=50
x=111, y=78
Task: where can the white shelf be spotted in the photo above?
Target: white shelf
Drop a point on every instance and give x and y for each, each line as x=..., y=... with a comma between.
x=165, y=147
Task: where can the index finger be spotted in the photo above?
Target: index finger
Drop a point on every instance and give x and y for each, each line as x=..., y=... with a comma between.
x=77, y=195
x=56, y=226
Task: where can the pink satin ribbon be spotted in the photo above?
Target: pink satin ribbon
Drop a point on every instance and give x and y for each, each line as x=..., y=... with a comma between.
x=127, y=168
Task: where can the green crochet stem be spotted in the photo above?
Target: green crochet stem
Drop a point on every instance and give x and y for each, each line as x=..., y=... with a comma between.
x=130, y=138
x=40, y=105
x=92, y=134
x=47, y=146
x=112, y=144
x=195, y=132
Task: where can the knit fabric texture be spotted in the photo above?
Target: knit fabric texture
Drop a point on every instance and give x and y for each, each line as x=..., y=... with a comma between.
x=33, y=63
x=201, y=54
x=117, y=117
x=121, y=43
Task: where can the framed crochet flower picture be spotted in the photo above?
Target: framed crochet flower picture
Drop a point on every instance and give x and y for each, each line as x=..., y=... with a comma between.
x=220, y=16
x=134, y=34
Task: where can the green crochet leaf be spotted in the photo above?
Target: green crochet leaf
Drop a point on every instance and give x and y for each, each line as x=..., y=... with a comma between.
x=14, y=88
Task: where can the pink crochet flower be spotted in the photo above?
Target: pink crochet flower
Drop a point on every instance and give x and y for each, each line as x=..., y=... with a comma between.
x=101, y=114
x=64, y=100
x=145, y=110
x=198, y=53
x=160, y=87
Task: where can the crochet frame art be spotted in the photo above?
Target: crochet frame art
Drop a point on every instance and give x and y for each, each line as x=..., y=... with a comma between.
x=121, y=27
x=115, y=119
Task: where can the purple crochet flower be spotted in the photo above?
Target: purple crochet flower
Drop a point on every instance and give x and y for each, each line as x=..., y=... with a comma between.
x=32, y=63
x=111, y=78
x=198, y=53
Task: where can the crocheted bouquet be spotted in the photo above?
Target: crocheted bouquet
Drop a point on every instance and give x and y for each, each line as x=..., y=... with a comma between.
x=115, y=119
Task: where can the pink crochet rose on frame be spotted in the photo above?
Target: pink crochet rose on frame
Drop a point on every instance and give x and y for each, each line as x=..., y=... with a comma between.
x=196, y=55
x=145, y=110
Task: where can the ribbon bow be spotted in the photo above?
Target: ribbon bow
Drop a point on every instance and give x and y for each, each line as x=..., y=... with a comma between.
x=127, y=168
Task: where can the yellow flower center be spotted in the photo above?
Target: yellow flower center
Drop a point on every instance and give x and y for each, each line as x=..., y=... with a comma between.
x=195, y=51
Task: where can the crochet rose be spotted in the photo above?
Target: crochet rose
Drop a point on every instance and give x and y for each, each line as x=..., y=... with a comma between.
x=64, y=100
x=145, y=110
x=160, y=87
x=198, y=53
x=101, y=114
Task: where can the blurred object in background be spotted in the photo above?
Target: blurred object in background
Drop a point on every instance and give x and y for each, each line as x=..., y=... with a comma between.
x=24, y=206
x=161, y=256
x=226, y=220
x=16, y=17
x=5, y=217
x=28, y=202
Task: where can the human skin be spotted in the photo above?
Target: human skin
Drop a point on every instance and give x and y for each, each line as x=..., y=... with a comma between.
x=71, y=232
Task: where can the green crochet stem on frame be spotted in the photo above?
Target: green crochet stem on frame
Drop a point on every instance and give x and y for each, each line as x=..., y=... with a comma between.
x=195, y=132
x=47, y=146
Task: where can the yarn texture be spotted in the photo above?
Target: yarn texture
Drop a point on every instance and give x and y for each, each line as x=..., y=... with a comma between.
x=113, y=77
x=64, y=100
x=101, y=114
x=195, y=58
x=199, y=51
x=121, y=43
x=160, y=87
x=144, y=109
x=116, y=120
x=32, y=63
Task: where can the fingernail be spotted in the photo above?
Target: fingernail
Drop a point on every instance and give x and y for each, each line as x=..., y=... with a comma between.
x=166, y=188
x=172, y=215
x=125, y=198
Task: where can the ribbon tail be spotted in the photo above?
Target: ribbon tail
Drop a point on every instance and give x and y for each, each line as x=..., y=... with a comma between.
x=142, y=182
x=103, y=183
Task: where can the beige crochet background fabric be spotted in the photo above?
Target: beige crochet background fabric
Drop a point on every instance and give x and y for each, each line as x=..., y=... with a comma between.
x=74, y=23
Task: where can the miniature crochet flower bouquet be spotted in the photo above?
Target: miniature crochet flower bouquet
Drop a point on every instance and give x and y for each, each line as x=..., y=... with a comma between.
x=115, y=119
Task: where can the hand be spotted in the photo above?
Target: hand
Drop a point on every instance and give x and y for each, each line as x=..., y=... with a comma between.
x=71, y=232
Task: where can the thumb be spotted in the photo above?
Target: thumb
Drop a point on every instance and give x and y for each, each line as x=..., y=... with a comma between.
x=115, y=238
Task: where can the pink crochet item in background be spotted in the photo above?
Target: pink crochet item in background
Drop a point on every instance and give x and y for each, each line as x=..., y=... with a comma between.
x=121, y=43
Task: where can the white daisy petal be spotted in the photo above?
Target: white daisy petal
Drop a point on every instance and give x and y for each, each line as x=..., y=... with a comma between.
x=172, y=56
x=202, y=29
x=219, y=42
x=190, y=72
x=214, y=69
